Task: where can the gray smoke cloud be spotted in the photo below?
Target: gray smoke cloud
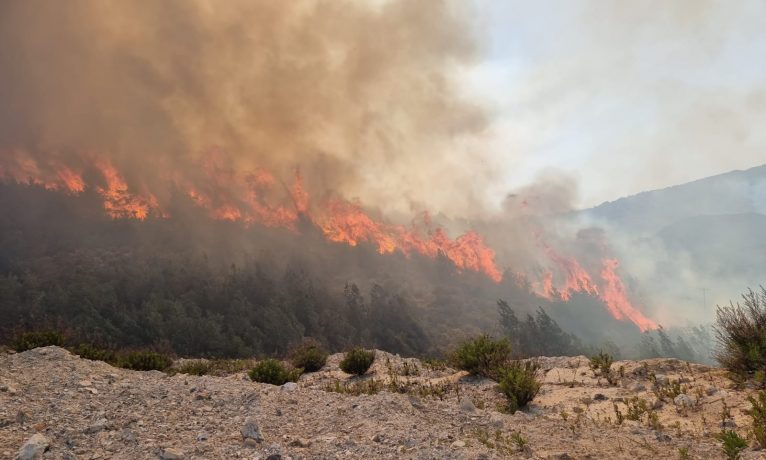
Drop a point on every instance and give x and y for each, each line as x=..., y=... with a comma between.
x=360, y=95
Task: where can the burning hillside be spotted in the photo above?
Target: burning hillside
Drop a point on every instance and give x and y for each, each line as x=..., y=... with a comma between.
x=292, y=117
x=258, y=198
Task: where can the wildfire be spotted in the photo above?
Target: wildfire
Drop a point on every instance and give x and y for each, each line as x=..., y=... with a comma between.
x=226, y=194
x=255, y=198
x=617, y=300
x=23, y=169
x=119, y=202
x=609, y=287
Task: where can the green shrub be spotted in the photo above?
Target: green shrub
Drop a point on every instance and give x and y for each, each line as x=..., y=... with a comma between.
x=144, y=360
x=758, y=413
x=741, y=334
x=35, y=339
x=731, y=443
x=195, y=367
x=217, y=367
x=601, y=365
x=274, y=372
x=94, y=353
x=482, y=355
x=357, y=361
x=518, y=382
x=309, y=356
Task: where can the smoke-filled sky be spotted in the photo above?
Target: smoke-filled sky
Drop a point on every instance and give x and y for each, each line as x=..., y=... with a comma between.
x=625, y=96
x=405, y=105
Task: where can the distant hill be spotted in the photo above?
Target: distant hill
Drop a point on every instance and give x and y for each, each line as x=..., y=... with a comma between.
x=647, y=213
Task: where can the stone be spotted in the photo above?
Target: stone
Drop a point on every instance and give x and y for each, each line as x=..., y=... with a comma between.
x=250, y=431
x=377, y=438
x=274, y=457
x=127, y=435
x=172, y=454
x=711, y=390
x=683, y=400
x=416, y=402
x=457, y=444
x=21, y=417
x=466, y=405
x=299, y=442
x=100, y=425
x=250, y=442
x=290, y=386
x=34, y=448
x=661, y=379
x=600, y=397
x=203, y=436
x=639, y=387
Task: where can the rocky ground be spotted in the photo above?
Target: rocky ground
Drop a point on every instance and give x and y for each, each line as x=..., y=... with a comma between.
x=56, y=405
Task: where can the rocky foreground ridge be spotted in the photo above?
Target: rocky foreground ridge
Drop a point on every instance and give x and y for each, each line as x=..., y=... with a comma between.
x=55, y=405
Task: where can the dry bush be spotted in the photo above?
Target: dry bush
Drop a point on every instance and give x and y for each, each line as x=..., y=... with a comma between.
x=741, y=334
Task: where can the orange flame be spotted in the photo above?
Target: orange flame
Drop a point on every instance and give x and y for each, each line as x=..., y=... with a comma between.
x=616, y=299
x=226, y=194
x=118, y=201
x=610, y=290
x=24, y=169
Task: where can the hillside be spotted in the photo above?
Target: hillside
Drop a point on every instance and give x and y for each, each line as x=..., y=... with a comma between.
x=646, y=213
x=83, y=409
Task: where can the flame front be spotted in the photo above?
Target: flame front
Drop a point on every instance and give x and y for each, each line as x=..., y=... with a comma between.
x=226, y=194
x=609, y=287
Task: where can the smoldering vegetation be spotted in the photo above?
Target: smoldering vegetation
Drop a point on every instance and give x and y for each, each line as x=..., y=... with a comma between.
x=196, y=286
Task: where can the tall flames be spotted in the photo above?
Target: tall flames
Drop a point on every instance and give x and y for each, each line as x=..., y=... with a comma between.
x=257, y=197
x=608, y=287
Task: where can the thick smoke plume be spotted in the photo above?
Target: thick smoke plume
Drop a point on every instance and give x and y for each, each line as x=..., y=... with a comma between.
x=358, y=95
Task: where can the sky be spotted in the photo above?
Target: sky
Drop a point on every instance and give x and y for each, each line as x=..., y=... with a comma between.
x=621, y=96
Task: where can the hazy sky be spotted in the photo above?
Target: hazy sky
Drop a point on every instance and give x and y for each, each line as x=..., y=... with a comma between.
x=624, y=96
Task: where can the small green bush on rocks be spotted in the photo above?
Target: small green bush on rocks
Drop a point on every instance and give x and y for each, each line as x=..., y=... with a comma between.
x=518, y=382
x=144, y=360
x=731, y=443
x=482, y=356
x=273, y=372
x=740, y=332
x=94, y=353
x=309, y=356
x=357, y=361
x=36, y=339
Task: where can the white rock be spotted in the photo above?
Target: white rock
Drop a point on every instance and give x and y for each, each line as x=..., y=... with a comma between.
x=34, y=447
x=290, y=386
x=457, y=444
x=250, y=431
x=683, y=400
x=466, y=405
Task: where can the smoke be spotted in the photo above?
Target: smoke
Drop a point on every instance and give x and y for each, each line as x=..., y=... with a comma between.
x=359, y=95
